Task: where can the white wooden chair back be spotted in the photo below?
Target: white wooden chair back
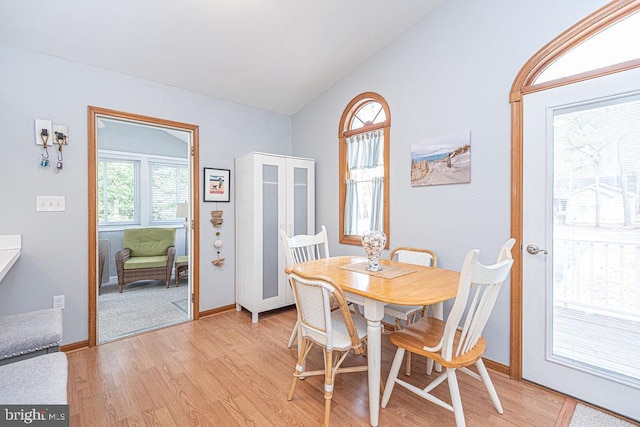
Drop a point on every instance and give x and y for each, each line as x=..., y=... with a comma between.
x=417, y=256
x=485, y=283
x=313, y=299
x=305, y=247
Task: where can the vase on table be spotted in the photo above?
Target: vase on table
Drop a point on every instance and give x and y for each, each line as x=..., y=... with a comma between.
x=373, y=243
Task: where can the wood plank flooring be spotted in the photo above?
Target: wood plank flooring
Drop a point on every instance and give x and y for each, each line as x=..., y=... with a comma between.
x=223, y=370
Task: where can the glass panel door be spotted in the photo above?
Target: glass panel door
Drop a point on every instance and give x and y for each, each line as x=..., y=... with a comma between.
x=581, y=241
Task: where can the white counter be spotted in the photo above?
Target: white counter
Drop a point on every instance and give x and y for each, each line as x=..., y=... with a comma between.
x=10, y=248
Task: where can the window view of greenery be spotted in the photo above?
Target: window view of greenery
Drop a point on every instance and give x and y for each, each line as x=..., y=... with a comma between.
x=117, y=191
x=169, y=186
x=140, y=191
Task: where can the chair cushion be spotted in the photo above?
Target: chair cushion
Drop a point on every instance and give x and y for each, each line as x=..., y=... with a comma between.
x=149, y=241
x=341, y=339
x=40, y=380
x=182, y=259
x=145, y=262
x=29, y=332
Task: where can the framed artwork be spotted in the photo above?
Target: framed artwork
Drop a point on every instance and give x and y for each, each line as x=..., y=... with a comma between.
x=217, y=185
x=441, y=160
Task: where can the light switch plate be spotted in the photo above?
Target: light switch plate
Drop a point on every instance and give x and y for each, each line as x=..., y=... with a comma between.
x=50, y=203
x=43, y=124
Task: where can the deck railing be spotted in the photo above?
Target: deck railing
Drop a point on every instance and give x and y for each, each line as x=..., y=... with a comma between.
x=597, y=275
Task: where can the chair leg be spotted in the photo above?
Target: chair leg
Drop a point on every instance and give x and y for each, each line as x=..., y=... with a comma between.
x=408, y=368
x=393, y=374
x=488, y=384
x=356, y=308
x=410, y=320
x=438, y=313
x=328, y=385
x=294, y=335
x=306, y=346
x=429, y=366
x=456, y=401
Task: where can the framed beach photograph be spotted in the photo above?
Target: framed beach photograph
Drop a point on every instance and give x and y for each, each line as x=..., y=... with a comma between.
x=441, y=160
x=217, y=185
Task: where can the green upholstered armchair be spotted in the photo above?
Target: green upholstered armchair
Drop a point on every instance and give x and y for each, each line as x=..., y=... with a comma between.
x=148, y=254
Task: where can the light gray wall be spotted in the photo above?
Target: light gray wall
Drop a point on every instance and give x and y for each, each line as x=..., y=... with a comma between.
x=451, y=72
x=55, y=253
x=134, y=138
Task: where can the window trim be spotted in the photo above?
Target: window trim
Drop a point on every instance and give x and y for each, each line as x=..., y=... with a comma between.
x=343, y=133
x=143, y=183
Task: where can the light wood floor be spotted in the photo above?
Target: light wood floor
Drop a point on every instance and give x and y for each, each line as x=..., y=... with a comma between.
x=223, y=370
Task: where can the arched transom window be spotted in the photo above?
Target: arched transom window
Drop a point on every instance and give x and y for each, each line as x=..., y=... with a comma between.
x=364, y=167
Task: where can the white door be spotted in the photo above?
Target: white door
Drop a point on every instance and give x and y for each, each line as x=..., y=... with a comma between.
x=581, y=204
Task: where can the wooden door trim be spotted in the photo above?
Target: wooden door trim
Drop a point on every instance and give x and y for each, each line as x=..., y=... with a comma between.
x=194, y=269
x=524, y=83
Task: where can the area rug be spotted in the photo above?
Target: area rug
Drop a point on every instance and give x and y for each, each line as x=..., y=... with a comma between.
x=585, y=416
x=143, y=306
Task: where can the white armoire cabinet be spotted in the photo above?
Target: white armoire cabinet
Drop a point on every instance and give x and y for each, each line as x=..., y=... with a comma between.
x=271, y=192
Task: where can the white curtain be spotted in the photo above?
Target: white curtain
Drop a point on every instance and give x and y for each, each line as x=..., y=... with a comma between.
x=363, y=150
x=351, y=208
x=375, y=222
x=364, y=154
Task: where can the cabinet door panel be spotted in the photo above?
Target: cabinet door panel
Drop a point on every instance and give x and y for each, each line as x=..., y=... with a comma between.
x=270, y=225
x=300, y=201
x=300, y=197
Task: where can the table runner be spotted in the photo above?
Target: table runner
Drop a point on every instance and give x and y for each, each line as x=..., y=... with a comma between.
x=387, y=272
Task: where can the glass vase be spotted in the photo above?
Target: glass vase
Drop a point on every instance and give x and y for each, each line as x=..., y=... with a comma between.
x=373, y=243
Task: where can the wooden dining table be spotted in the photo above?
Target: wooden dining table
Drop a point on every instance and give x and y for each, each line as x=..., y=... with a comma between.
x=396, y=283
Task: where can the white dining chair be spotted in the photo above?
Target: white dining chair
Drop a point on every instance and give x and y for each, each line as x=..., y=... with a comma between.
x=455, y=347
x=303, y=248
x=408, y=313
x=334, y=330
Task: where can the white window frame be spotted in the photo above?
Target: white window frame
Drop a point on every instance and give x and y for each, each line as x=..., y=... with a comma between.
x=143, y=195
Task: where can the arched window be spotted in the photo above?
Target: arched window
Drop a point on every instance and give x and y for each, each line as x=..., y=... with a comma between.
x=608, y=47
x=364, y=167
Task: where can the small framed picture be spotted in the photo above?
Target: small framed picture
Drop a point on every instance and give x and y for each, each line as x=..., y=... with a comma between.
x=217, y=185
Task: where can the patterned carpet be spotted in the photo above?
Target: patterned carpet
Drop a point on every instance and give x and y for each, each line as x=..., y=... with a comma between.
x=143, y=306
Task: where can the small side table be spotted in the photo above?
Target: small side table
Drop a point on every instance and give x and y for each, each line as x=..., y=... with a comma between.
x=181, y=267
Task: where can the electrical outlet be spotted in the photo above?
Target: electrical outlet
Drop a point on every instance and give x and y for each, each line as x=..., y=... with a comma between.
x=58, y=302
x=50, y=203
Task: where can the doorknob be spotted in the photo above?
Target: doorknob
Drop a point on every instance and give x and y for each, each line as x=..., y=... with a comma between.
x=534, y=249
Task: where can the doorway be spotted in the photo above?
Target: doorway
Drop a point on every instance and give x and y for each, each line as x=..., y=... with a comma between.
x=142, y=181
x=581, y=240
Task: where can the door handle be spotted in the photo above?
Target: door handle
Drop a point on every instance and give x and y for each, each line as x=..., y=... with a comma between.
x=534, y=249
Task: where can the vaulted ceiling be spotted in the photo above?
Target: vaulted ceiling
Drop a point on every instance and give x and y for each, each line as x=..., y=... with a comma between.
x=276, y=55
